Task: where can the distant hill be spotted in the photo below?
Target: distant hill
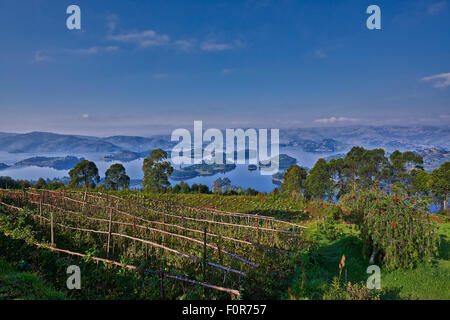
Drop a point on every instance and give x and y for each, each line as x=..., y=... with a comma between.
x=433, y=157
x=3, y=166
x=58, y=163
x=413, y=137
x=314, y=140
x=51, y=142
x=45, y=142
x=140, y=144
x=324, y=145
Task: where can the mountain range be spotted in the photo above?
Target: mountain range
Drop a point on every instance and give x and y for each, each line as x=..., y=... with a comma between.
x=318, y=139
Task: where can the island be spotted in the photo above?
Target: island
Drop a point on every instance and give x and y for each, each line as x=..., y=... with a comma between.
x=125, y=156
x=277, y=178
x=58, y=163
x=198, y=170
x=284, y=162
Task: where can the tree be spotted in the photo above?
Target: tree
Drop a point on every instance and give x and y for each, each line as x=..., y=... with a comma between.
x=157, y=171
x=40, y=184
x=318, y=182
x=420, y=182
x=203, y=188
x=440, y=183
x=293, y=180
x=116, y=177
x=84, y=173
x=54, y=185
x=184, y=187
x=402, y=163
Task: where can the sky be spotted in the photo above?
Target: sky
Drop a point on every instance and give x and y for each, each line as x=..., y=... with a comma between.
x=145, y=67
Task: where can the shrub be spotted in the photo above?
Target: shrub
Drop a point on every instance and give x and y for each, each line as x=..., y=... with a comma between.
x=357, y=291
x=329, y=228
x=396, y=226
x=334, y=212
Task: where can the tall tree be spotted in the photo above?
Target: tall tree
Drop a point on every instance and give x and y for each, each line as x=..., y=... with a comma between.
x=293, y=180
x=318, y=182
x=440, y=183
x=116, y=177
x=157, y=171
x=403, y=163
x=84, y=173
x=40, y=184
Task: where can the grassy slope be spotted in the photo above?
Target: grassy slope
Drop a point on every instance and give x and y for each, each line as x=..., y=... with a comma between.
x=23, y=285
x=426, y=281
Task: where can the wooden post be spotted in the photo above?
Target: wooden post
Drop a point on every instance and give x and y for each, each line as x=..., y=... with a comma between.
x=257, y=229
x=109, y=232
x=204, y=256
x=161, y=284
x=134, y=232
x=51, y=229
x=40, y=208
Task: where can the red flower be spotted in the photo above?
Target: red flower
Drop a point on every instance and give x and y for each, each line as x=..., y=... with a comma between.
x=394, y=224
x=396, y=199
x=378, y=181
x=375, y=186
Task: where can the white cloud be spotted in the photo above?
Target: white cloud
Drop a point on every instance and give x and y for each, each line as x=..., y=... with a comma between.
x=38, y=57
x=92, y=50
x=85, y=116
x=214, y=46
x=147, y=38
x=437, y=7
x=335, y=120
x=440, y=80
x=444, y=116
x=184, y=45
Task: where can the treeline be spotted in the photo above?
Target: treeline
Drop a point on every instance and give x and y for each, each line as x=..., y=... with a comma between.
x=361, y=169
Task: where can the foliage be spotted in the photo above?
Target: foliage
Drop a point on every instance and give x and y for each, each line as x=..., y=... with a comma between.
x=318, y=182
x=349, y=291
x=396, y=226
x=116, y=177
x=440, y=183
x=156, y=170
x=84, y=173
x=293, y=180
x=330, y=228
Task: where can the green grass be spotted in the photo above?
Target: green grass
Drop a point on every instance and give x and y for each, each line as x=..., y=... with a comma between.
x=24, y=285
x=429, y=280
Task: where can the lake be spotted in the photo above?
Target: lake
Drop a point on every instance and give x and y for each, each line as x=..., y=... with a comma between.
x=240, y=176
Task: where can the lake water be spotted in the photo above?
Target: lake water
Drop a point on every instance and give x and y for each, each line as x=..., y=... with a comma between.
x=241, y=176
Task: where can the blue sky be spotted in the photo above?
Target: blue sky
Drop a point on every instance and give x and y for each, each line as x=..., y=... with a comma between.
x=143, y=67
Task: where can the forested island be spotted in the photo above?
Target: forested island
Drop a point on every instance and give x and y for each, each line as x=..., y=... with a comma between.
x=203, y=169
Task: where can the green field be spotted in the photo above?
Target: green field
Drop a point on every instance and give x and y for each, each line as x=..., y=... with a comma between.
x=310, y=271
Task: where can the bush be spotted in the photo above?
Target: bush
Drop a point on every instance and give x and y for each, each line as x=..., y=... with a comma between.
x=340, y=291
x=334, y=212
x=396, y=226
x=329, y=228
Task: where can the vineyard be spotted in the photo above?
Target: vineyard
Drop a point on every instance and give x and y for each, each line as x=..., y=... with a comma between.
x=182, y=248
